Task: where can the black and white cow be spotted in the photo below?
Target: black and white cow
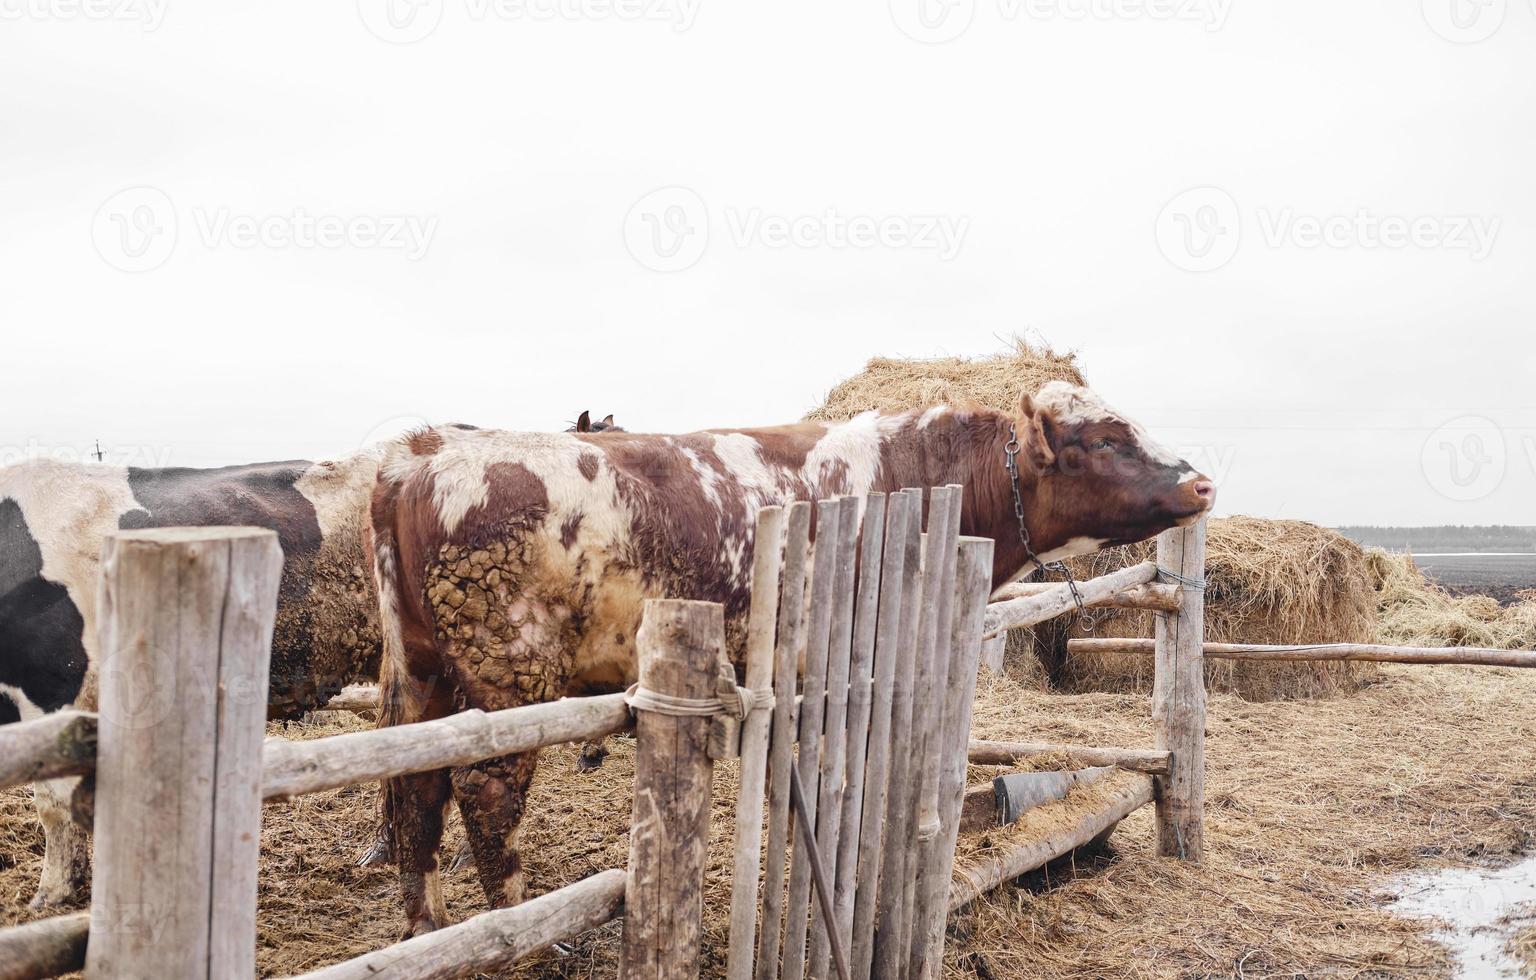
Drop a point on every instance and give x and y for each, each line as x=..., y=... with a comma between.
x=53, y=518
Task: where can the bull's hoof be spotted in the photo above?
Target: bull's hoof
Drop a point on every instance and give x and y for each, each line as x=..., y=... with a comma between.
x=54, y=898
x=420, y=927
x=376, y=855
x=591, y=757
x=461, y=859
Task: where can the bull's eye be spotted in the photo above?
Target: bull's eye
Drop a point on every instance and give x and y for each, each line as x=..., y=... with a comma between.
x=1103, y=444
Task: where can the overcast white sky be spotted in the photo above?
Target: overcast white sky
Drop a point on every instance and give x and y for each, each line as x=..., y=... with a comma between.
x=1294, y=237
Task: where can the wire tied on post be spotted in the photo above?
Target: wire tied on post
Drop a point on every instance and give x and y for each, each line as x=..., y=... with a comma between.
x=1193, y=584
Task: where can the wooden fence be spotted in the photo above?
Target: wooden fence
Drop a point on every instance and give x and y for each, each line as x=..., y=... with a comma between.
x=853, y=788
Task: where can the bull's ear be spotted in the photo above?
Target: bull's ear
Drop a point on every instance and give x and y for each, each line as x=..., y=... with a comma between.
x=584, y=422
x=608, y=419
x=1037, y=433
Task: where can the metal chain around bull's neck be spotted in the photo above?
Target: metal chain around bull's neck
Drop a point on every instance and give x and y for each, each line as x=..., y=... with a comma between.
x=1011, y=463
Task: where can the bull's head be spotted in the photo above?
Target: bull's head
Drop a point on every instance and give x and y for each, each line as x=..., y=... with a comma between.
x=1099, y=478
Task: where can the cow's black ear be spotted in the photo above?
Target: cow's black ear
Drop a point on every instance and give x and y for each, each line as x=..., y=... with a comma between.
x=608, y=419
x=584, y=422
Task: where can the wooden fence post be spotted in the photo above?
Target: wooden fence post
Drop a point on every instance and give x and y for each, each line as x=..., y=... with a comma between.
x=679, y=645
x=1178, y=697
x=766, y=559
x=186, y=634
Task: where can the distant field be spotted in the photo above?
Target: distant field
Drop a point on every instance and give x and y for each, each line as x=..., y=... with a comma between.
x=1500, y=576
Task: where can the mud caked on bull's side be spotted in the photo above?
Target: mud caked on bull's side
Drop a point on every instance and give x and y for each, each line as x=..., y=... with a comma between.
x=516, y=565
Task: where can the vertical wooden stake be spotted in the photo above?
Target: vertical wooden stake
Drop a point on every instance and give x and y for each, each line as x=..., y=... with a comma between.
x=812, y=714
x=1178, y=698
x=186, y=635
x=679, y=644
x=780, y=752
x=766, y=557
x=972, y=583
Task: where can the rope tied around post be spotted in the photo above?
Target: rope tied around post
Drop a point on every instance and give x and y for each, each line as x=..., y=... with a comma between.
x=729, y=707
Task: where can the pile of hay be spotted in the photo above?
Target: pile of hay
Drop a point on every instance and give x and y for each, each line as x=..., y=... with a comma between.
x=893, y=385
x=1272, y=581
x=1268, y=581
x=1414, y=611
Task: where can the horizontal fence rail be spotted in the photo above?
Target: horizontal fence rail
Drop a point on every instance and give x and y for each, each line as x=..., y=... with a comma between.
x=1149, y=595
x=1057, y=599
x=1150, y=761
x=1475, y=656
x=295, y=768
x=491, y=940
x=45, y=948
x=1062, y=838
x=59, y=744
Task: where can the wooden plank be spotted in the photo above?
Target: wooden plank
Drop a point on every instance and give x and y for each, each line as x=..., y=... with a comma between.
x=356, y=698
x=1061, y=836
x=786, y=652
x=993, y=650
x=61, y=743
x=812, y=712
x=680, y=645
x=834, y=759
x=1154, y=596
x=1360, y=652
x=45, y=948
x=761, y=621
x=895, y=592
x=860, y=709
x=973, y=579
x=890, y=900
x=1029, y=610
x=1178, y=700
x=922, y=821
x=186, y=633
x=1149, y=761
x=491, y=941
x=294, y=768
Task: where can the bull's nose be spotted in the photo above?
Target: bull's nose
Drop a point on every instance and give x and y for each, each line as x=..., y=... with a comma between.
x=1205, y=490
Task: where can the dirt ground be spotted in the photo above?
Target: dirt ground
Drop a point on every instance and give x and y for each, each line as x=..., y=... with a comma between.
x=1312, y=807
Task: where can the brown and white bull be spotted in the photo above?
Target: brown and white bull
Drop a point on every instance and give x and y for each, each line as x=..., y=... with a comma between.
x=515, y=564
